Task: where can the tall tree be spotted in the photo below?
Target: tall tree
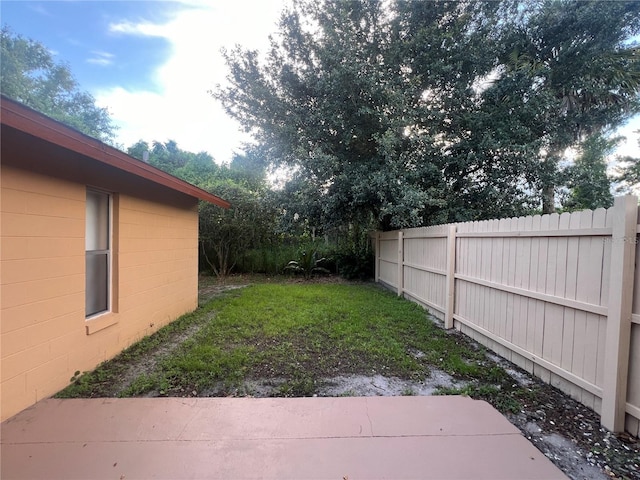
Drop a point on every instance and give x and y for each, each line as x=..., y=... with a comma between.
x=577, y=73
x=449, y=51
x=627, y=172
x=30, y=75
x=365, y=99
x=589, y=184
x=224, y=234
x=197, y=168
x=414, y=113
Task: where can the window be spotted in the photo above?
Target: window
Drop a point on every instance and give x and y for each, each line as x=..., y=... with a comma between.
x=97, y=252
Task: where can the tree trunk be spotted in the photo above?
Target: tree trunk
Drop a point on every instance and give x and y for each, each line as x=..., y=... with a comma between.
x=206, y=257
x=549, y=179
x=548, y=199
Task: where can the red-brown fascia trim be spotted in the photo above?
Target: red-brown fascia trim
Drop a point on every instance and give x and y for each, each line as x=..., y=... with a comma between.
x=27, y=120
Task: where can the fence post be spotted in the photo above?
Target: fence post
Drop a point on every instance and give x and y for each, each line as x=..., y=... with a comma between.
x=451, y=271
x=377, y=257
x=618, y=334
x=400, y=262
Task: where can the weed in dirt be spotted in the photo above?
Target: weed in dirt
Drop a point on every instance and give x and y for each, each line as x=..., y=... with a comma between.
x=300, y=385
x=504, y=401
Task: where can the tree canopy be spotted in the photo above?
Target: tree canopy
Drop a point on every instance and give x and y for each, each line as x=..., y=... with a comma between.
x=628, y=172
x=579, y=76
x=30, y=75
x=587, y=179
x=224, y=234
x=413, y=113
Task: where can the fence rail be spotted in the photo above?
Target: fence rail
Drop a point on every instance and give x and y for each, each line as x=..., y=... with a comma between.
x=558, y=295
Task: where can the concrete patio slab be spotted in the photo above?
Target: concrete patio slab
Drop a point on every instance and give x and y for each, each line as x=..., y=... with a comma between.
x=244, y=438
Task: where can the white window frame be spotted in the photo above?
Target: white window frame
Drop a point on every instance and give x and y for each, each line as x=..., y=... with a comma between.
x=108, y=252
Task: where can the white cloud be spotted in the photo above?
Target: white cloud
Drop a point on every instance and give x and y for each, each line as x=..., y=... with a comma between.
x=630, y=147
x=101, y=58
x=39, y=9
x=139, y=29
x=183, y=110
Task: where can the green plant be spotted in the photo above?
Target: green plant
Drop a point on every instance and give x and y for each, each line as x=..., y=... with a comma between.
x=505, y=400
x=348, y=393
x=308, y=263
x=301, y=385
x=355, y=265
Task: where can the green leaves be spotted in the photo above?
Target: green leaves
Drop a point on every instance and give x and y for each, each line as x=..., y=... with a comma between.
x=308, y=263
x=413, y=113
x=578, y=74
x=589, y=185
x=29, y=74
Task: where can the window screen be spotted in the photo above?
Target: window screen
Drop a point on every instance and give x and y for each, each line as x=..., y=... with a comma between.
x=97, y=253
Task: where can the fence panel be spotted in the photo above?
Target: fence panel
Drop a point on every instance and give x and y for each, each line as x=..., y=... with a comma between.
x=534, y=289
x=632, y=424
x=425, y=268
x=387, y=259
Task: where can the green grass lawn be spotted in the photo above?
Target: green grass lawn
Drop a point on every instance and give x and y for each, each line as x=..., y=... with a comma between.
x=301, y=333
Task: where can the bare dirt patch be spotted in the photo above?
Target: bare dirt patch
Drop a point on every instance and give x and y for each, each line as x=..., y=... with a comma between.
x=209, y=292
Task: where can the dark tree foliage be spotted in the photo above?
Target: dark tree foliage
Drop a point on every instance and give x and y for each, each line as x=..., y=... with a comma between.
x=577, y=74
x=196, y=168
x=345, y=97
x=30, y=75
x=396, y=114
x=627, y=173
x=224, y=234
x=588, y=182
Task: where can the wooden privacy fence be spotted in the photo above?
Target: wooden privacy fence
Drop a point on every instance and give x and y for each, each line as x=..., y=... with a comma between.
x=558, y=295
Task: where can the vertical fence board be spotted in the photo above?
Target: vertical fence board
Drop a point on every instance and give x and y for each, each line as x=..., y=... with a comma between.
x=485, y=264
x=400, y=275
x=377, y=258
x=532, y=312
x=593, y=280
x=600, y=322
x=502, y=268
x=450, y=279
x=509, y=226
x=569, y=328
x=580, y=326
x=565, y=282
x=554, y=285
x=633, y=387
x=541, y=283
x=618, y=342
x=527, y=226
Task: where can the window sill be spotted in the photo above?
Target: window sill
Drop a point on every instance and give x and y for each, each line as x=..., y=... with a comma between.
x=100, y=322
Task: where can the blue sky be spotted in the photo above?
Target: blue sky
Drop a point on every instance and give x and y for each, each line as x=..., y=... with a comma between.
x=84, y=34
x=151, y=63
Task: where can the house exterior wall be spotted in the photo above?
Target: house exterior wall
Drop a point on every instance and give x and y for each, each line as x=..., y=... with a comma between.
x=45, y=337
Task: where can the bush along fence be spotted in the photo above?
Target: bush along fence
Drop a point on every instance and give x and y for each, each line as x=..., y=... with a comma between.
x=558, y=295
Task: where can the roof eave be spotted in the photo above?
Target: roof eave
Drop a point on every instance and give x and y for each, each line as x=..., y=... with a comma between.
x=27, y=120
